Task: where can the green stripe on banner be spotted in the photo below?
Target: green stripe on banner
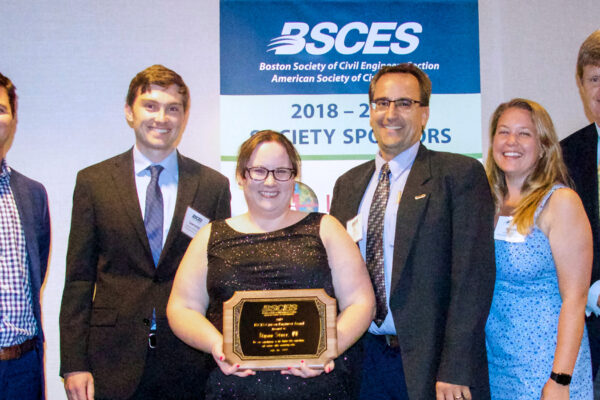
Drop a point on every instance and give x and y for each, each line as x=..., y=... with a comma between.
x=335, y=157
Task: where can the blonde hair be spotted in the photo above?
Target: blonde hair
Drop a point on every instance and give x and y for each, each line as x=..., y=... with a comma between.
x=549, y=170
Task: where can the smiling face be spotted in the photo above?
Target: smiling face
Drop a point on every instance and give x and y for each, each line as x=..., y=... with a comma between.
x=516, y=144
x=590, y=87
x=158, y=120
x=8, y=123
x=397, y=130
x=269, y=197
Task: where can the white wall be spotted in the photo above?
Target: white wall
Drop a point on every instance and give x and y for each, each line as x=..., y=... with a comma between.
x=529, y=49
x=72, y=62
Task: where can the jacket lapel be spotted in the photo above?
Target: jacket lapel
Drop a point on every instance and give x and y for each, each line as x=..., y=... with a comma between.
x=124, y=180
x=25, y=207
x=186, y=191
x=589, y=169
x=410, y=211
x=358, y=187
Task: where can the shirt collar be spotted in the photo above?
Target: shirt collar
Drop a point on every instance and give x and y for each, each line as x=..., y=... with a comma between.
x=399, y=163
x=597, y=128
x=4, y=170
x=169, y=163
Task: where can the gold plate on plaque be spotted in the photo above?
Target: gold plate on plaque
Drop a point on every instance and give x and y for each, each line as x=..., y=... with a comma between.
x=276, y=329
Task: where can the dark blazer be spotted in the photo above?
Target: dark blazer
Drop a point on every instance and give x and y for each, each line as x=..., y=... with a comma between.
x=112, y=285
x=443, y=270
x=32, y=202
x=580, y=154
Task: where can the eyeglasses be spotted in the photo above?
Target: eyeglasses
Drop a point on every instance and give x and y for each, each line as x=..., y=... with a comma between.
x=403, y=104
x=280, y=174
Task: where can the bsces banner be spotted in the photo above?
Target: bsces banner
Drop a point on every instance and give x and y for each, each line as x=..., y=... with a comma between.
x=303, y=68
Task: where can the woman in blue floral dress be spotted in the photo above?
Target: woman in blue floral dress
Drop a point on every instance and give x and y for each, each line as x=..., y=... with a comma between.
x=536, y=339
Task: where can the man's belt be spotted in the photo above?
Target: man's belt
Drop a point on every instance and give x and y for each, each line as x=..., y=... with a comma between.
x=390, y=340
x=15, y=352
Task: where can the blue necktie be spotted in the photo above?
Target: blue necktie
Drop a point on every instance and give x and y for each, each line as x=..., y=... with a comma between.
x=375, y=242
x=153, y=217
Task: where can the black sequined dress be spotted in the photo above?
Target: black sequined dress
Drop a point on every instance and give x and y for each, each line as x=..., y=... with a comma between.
x=290, y=258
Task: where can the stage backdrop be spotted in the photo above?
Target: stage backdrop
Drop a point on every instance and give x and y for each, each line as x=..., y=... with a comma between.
x=303, y=68
x=72, y=62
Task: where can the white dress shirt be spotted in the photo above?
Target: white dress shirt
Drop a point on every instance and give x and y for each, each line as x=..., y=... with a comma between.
x=399, y=169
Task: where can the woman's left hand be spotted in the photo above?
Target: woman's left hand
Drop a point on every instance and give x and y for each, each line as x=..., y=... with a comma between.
x=306, y=372
x=554, y=391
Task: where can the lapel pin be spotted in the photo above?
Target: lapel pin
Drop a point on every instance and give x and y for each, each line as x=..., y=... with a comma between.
x=421, y=196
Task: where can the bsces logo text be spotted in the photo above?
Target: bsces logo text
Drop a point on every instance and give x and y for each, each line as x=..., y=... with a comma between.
x=381, y=38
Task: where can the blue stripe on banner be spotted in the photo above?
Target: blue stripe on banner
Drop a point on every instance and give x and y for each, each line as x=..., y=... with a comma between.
x=335, y=46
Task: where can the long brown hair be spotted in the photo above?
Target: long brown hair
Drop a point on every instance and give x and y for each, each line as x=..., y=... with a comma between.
x=549, y=170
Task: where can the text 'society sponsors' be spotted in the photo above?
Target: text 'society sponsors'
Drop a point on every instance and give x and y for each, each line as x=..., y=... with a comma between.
x=303, y=68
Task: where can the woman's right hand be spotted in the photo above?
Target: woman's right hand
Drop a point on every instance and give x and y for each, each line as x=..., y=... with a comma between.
x=224, y=365
x=304, y=371
x=554, y=391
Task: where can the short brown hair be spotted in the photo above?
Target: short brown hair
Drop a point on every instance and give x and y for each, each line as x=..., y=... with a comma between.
x=405, y=68
x=248, y=147
x=157, y=75
x=589, y=53
x=11, y=90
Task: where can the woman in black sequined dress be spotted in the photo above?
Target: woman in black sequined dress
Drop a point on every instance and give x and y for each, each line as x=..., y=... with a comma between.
x=272, y=247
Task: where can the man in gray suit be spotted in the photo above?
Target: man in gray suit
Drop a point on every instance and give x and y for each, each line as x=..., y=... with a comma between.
x=24, y=247
x=133, y=218
x=431, y=261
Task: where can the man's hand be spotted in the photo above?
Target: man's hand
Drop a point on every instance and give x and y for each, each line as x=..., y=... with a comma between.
x=79, y=385
x=448, y=391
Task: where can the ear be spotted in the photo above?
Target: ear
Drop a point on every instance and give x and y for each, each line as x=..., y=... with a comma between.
x=239, y=179
x=128, y=114
x=12, y=128
x=186, y=117
x=424, y=116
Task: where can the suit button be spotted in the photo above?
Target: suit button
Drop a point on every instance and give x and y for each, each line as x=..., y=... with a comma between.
x=156, y=279
x=146, y=321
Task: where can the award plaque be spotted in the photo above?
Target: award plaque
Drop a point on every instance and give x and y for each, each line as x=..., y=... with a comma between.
x=276, y=329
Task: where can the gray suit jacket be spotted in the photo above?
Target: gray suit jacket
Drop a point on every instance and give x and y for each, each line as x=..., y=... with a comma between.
x=443, y=269
x=32, y=202
x=112, y=285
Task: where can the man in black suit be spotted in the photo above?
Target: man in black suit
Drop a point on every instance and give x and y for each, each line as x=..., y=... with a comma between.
x=580, y=151
x=133, y=218
x=438, y=254
x=24, y=247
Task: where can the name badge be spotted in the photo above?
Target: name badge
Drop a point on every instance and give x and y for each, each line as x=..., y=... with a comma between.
x=504, y=231
x=354, y=228
x=192, y=222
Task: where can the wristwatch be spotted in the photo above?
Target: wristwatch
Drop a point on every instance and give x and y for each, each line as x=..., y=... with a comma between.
x=561, y=379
